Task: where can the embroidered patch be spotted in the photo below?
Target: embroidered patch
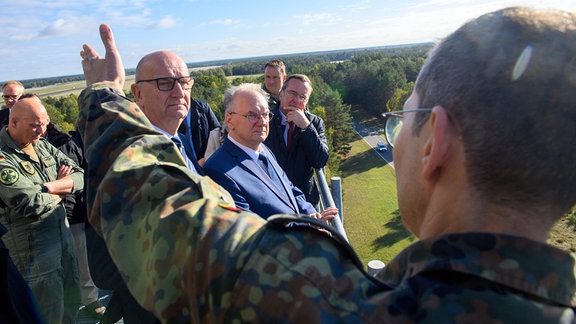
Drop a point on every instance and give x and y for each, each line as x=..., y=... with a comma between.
x=27, y=166
x=8, y=175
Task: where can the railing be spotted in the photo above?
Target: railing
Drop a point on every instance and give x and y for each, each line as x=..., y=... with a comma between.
x=328, y=198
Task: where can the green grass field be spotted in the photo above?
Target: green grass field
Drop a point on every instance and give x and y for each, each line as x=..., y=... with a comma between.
x=371, y=218
x=65, y=89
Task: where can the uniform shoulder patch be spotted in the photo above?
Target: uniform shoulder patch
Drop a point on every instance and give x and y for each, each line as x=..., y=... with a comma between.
x=8, y=175
x=27, y=166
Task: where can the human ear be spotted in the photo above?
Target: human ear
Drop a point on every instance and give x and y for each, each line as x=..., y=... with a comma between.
x=228, y=120
x=136, y=92
x=437, y=145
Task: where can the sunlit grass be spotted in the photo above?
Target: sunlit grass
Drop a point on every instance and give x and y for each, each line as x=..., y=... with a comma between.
x=371, y=217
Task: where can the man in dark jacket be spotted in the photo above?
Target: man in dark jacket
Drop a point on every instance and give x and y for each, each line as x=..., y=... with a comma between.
x=76, y=213
x=197, y=126
x=297, y=137
x=17, y=305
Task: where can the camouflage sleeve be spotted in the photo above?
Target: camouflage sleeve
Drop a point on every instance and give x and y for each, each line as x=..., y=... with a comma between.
x=164, y=226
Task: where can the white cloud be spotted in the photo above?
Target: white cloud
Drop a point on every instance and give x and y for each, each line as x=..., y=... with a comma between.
x=318, y=19
x=164, y=23
x=59, y=28
x=222, y=22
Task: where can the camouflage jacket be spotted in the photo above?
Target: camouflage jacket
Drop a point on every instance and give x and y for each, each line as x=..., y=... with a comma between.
x=189, y=257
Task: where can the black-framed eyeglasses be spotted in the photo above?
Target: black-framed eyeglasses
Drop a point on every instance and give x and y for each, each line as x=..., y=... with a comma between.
x=10, y=97
x=254, y=118
x=294, y=94
x=393, y=123
x=167, y=83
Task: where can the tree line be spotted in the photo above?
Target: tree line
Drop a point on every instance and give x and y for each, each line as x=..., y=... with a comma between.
x=371, y=80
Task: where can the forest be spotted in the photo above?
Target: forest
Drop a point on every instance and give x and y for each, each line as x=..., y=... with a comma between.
x=371, y=80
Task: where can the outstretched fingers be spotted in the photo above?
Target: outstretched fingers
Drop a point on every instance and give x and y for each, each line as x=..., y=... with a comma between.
x=98, y=69
x=115, y=68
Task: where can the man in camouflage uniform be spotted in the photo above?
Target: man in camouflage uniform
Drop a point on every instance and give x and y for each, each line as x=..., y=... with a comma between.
x=469, y=186
x=34, y=175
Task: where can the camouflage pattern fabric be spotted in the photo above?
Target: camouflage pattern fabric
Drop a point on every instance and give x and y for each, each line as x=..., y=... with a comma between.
x=187, y=255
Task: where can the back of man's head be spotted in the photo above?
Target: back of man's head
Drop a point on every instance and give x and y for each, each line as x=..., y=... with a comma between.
x=508, y=80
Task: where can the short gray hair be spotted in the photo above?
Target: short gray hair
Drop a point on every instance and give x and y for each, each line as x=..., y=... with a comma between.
x=231, y=92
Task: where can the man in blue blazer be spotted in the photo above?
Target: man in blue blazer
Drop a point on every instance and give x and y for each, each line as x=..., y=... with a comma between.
x=260, y=187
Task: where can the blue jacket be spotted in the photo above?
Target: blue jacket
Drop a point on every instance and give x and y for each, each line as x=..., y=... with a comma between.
x=249, y=185
x=197, y=125
x=191, y=152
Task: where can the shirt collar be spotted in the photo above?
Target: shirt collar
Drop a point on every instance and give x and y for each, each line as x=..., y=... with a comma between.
x=164, y=132
x=251, y=153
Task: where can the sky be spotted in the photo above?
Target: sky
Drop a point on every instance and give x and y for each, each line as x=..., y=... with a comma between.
x=43, y=38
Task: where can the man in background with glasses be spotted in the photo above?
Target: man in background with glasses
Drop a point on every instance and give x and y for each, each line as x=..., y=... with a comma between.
x=297, y=136
x=470, y=187
x=245, y=167
x=11, y=92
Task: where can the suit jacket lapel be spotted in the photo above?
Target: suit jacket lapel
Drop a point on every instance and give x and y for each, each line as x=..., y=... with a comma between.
x=279, y=172
x=253, y=167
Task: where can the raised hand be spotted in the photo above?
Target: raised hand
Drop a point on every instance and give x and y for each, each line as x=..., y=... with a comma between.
x=109, y=68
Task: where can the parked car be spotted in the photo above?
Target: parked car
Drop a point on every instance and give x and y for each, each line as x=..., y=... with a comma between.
x=382, y=147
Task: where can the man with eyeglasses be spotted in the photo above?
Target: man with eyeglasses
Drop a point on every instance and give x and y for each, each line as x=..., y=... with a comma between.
x=297, y=136
x=11, y=92
x=470, y=187
x=162, y=90
x=246, y=168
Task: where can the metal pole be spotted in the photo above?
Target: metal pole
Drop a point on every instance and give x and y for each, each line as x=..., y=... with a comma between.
x=325, y=192
x=336, y=190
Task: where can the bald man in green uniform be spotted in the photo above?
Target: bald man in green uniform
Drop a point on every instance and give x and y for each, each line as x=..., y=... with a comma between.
x=33, y=176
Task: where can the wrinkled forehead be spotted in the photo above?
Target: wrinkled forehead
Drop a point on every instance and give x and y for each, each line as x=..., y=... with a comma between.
x=164, y=68
x=12, y=89
x=299, y=86
x=247, y=101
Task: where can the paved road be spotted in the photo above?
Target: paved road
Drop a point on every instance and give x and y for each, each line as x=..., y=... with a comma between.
x=372, y=137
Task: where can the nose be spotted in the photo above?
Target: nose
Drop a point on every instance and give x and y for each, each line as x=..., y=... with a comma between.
x=179, y=90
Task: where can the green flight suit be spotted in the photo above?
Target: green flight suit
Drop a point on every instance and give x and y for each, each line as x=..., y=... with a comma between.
x=39, y=238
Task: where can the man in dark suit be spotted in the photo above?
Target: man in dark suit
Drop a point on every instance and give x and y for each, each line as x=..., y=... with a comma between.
x=297, y=137
x=246, y=168
x=197, y=125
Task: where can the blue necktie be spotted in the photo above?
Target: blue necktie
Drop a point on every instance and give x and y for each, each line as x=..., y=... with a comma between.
x=189, y=163
x=270, y=170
